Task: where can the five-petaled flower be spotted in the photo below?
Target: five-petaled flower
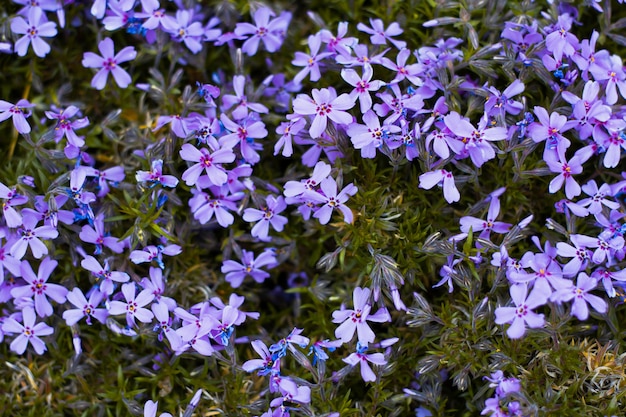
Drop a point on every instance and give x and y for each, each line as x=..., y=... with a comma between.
x=109, y=63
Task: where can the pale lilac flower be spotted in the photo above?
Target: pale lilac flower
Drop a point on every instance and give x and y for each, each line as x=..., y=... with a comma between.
x=187, y=31
x=410, y=72
x=286, y=130
x=566, y=170
x=380, y=35
x=605, y=248
x=29, y=332
x=447, y=272
x=596, y=200
x=611, y=136
x=150, y=409
x=293, y=338
x=33, y=30
x=65, y=126
x=38, y=287
x=266, y=364
x=193, y=333
x=615, y=77
x=99, y=237
x=607, y=277
x=18, y=113
x=243, y=133
x=30, y=236
x=588, y=111
x=291, y=393
x=501, y=103
x=113, y=175
x=310, y=62
x=546, y=277
x=155, y=176
x=521, y=315
x=580, y=293
x=158, y=18
x=11, y=198
x=104, y=277
x=240, y=100
x=109, y=63
x=560, y=41
x=236, y=272
x=429, y=179
x=360, y=356
x=550, y=129
x=156, y=284
x=362, y=85
x=370, y=136
x=297, y=188
x=476, y=139
x=324, y=105
x=207, y=162
x=134, y=306
x=219, y=203
x=361, y=56
x=270, y=32
x=150, y=253
x=268, y=215
x=486, y=226
x=332, y=200
x=85, y=308
x=356, y=320
x=339, y=43
x=579, y=254
x=179, y=125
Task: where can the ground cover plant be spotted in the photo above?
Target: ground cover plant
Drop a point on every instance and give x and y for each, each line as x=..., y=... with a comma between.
x=317, y=208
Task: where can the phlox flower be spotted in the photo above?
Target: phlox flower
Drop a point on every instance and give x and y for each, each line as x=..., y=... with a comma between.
x=286, y=130
x=578, y=252
x=155, y=176
x=109, y=63
x=30, y=236
x=317, y=349
x=133, y=307
x=292, y=393
x=206, y=161
x=611, y=136
x=85, y=308
x=499, y=103
x=194, y=333
x=546, y=277
x=264, y=29
x=429, y=179
x=486, y=226
x=370, y=136
x=338, y=43
x=243, y=133
x=332, y=200
x=113, y=176
x=557, y=163
x=612, y=72
x=18, y=113
x=99, y=237
x=550, y=129
x=580, y=293
x=410, y=72
x=560, y=41
x=150, y=409
x=293, y=338
x=596, y=200
x=607, y=277
x=240, y=101
x=363, y=85
x=104, y=277
x=38, y=287
x=360, y=356
x=380, y=35
x=33, y=30
x=361, y=56
x=156, y=284
x=236, y=272
x=187, y=31
x=29, y=332
x=11, y=198
x=154, y=253
x=266, y=364
x=356, y=320
x=310, y=61
x=219, y=203
x=296, y=188
x=268, y=215
x=179, y=125
x=447, y=272
x=65, y=126
x=521, y=315
x=324, y=105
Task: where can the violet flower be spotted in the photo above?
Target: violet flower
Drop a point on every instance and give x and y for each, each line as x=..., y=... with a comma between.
x=104, y=277
x=38, y=287
x=206, y=161
x=151, y=252
x=332, y=200
x=236, y=272
x=85, y=308
x=109, y=63
x=311, y=61
x=356, y=319
x=521, y=315
x=410, y=72
x=429, y=179
x=566, y=170
x=360, y=356
x=18, y=113
x=380, y=35
x=269, y=32
x=324, y=105
x=486, y=226
x=243, y=133
x=596, y=200
x=134, y=305
x=286, y=130
x=155, y=176
x=240, y=100
x=99, y=237
x=187, y=31
x=370, y=136
x=11, y=198
x=29, y=332
x=268, y=215
x=580, y=293
x=362, y=85
x=37, y=27
x=65, y=127
x=30, y=236
x=218, y=203
x=338, y=44
x=266, y=364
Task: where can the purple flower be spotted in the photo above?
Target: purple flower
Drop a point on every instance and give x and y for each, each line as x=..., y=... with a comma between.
x=270, y=32
x=324, y=105
x=207, y=162
x=596, y=201
x=268, y=215
x=370, y=136
x=546, y=276
x=30, y=236
x=566, y=170
x=549, y=128
x=240, y=100
x=331, y=200
x=186, y=31
x=293, y=338
x=362, y=85
x=219, y=203
x=581, y=296
x=486, y=226
x=614, y=75
x=33, y=30
x=287, y=130
x=380, y=35
x=134, y=306
x=311, y=61
x=11, y=198
x=410, y=72
x=155, y=176
x=429, y=179
x=356, y=319
x=178, y=124
x=499, y=103
x=521, y=315
x=297, y=188
x=244, y=133
x=447, y=272
x=99, y=237
x=579, y=254
x=266, y=364
x=476, y=140
x=360, y=356
x=29, y=332
x=150, y=253
x=150, y=409
x=39, y=288
x=65, y=127
x=18, y=112
x=236, y=272
x=84, y=308
x=109, y=63
x=339, y=43
x=560, y=41
x=104, y=277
